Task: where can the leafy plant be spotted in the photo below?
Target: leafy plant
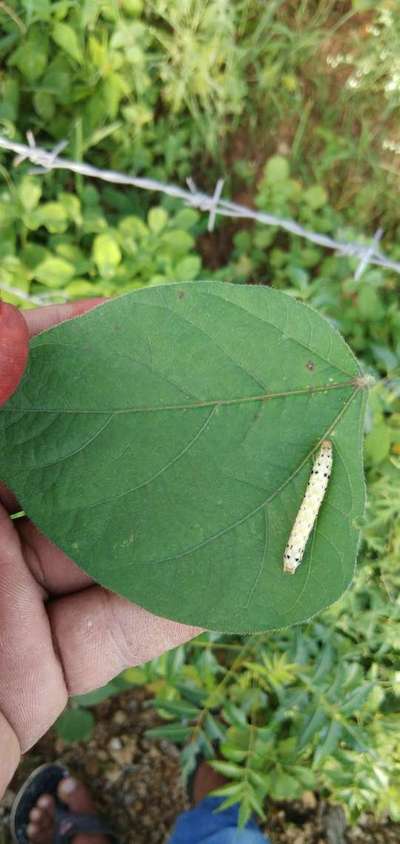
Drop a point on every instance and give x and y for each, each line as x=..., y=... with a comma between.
x=69, y=245
x=365, y=311
x=312, y=707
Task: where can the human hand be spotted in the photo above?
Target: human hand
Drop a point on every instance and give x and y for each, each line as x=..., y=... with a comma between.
x=60, y=634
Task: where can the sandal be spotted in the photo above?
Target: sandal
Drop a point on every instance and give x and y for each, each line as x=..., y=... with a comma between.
x=45, y=780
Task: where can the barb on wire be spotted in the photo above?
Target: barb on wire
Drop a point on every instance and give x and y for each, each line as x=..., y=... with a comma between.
x=23, y=156
x=203, y=202
x=46, y=161
x=214, y=205
x=372, y=250
x=40, y=171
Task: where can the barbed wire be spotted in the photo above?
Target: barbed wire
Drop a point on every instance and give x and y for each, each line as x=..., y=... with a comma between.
x=46, y=160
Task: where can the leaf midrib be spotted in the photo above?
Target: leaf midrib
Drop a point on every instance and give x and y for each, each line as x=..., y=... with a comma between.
x=188, y=406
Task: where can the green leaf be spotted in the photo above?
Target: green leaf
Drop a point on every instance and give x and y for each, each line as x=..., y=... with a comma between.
x=283, y=786
x=106, y=254
x=229, y=790
x=245, y=813
x=133, y=227
x=51, y=215
x=66, y=38
x=157, y=219
x=230, y=801
x=81, y=287
x=385, y=356
x=186, y=218
x=136, y=676
x=377, y=442
x=369, y=303
x=172, y=732
x=363, y=5
x=257, y=779
x=72, y=206
x=29, y=193
x=164, y=441
x=316, y=197
x=213, y=728
x=177, y=241
x=188, y=268
x=31, y=56
x=232, y=753
x=256, y=804
x=312, y=726
x=176, y=707
x=193, y=695
x=277, y=169
x=54, y=272
x=44, y=104
x=306, y=776
x=41, y=9
x=228, y=769
x=355, y=701
x=97, y=696
x=132, y=7
x=33, y=254
x=75, y=725
x=328, y=745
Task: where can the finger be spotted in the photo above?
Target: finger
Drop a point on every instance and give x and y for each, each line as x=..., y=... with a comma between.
x=32, y=688
x=10, y=753
x=14, y=345
x=98, y=634
x=8, y=499
x=50, y=566
x=39, y=319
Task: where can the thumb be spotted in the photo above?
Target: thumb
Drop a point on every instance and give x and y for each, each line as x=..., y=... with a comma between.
x=14, y=347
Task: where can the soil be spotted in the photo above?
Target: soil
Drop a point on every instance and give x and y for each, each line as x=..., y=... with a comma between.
x=136, y=784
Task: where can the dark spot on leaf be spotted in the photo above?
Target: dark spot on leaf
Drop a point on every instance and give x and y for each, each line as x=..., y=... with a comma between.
x=310, y=365
x=181, y=294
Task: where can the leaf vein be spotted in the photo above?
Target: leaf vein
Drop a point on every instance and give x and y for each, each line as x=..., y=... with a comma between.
x=83, y=445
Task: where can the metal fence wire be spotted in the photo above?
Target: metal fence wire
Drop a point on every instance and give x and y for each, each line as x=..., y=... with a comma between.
x=46, y=160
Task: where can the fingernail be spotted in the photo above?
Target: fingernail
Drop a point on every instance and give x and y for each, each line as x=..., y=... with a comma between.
x=68, y=785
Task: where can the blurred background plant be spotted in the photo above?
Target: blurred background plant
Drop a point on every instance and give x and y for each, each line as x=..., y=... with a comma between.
x=294, y=104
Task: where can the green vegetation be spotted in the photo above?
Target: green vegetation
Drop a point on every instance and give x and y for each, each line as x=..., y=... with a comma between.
x=295, y=105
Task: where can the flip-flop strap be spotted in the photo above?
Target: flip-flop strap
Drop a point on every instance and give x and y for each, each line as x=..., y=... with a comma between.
x=70, y=823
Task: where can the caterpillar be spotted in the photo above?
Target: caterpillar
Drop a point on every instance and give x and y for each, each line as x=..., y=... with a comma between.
x=309, y=508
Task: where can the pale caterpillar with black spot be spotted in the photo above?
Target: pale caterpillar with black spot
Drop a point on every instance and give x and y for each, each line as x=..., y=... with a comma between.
x=309, y=508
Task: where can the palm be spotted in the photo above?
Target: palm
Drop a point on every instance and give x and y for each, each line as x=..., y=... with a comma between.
x=60, y=634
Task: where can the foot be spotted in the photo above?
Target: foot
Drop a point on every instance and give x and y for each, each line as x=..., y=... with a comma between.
x=206, y=780
x=42, y=819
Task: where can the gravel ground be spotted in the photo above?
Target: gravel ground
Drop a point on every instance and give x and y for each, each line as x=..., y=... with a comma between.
x=136, y=784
